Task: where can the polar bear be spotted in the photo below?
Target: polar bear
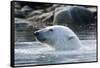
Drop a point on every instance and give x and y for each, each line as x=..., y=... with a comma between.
x=59, y=37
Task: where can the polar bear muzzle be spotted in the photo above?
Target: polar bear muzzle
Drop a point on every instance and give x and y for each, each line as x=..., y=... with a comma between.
x=39, y=36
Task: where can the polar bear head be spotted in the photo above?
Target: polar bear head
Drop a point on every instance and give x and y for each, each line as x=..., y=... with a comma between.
x=59, y=37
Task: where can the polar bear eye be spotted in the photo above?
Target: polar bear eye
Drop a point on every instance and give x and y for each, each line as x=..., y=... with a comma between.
x=50, y=29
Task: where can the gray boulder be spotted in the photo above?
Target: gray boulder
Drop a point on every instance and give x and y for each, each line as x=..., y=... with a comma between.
x=76, y=15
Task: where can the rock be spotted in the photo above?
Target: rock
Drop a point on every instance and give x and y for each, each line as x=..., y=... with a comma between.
x=35, y=12
x=52, y=8
x=49, y=18
x=75, y=15
x=41, y=19
x=17, y=5
x=18, y=13
x=26, y=10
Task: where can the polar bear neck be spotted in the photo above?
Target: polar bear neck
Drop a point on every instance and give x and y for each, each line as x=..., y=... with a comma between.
x=72, y=44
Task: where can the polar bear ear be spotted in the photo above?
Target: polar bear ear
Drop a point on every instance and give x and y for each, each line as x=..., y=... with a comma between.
x=70, y=37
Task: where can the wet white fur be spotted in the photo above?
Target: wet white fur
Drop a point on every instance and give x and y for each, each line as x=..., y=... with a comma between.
x=61, y=38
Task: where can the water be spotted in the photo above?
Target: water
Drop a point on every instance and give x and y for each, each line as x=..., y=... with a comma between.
x=35, y=53
x=30, y=52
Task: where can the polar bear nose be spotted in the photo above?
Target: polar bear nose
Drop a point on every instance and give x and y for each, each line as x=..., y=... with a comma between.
x=36, y=33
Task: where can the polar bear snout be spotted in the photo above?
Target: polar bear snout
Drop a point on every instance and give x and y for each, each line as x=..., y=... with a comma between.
x=36, y=33
x=39, y=35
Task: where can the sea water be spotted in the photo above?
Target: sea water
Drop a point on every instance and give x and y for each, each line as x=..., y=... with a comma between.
x=35, y=53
